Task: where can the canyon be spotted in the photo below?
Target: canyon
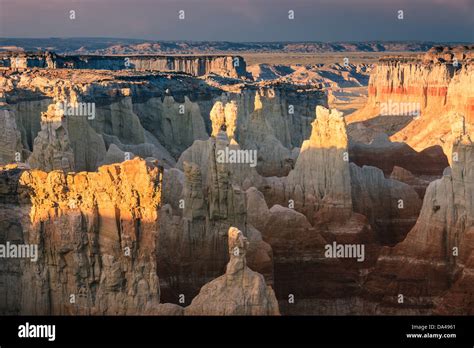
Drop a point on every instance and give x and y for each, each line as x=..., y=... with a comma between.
x=135, y=212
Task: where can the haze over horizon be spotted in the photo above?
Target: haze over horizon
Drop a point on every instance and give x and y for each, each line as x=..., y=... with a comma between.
x=241, y=20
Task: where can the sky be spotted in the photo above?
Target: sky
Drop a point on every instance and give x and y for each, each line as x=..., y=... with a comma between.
x=241, y=20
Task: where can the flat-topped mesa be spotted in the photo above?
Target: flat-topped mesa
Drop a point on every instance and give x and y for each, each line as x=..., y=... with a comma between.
x=229, y=66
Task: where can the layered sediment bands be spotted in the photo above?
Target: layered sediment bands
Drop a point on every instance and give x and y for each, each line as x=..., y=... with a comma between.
x=106, y=237
x=302, y=270
x=230, y=66
x=310, y=209
x=441, y=90
x=240, y=291
x=96, y=236
x=192, y=239
x=434, y=262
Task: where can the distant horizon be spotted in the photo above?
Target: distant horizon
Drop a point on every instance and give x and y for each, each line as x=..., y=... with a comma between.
x=229, y=41
x=241, y=20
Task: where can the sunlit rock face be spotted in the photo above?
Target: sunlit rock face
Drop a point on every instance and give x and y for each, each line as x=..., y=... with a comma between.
x=149, y=115
x=326, y=199
x=102, y=242
x=152, y=115
x=321, y=178
x=96, y=238
x=10, y=137
x=144, y=208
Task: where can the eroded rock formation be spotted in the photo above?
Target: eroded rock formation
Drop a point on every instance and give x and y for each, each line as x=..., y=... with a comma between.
x=434, y=262
x=96, y=238
x=52, y=149
x=435, y=90
x=124, y=238
x=321, y=178
x=155, y=115
x=231, y=66
x=240, y=291
x=196, y=218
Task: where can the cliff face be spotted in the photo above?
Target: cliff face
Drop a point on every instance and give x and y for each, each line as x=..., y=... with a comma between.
x=150, y=115
x=240, y=291
x=129, y=113
x=325, y=187
x=229, y=66
x=433, y=95
x=434, y=262
x=96, y=239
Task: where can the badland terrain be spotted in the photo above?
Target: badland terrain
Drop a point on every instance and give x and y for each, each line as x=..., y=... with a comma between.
x=164, y=178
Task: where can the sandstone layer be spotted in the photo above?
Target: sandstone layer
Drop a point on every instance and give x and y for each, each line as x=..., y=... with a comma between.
x=437, y=91
x=231, y=66
x=240, y=291
x=96, y=237
x=434, y=262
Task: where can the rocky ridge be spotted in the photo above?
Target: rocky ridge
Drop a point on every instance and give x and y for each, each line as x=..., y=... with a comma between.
x=229, y=66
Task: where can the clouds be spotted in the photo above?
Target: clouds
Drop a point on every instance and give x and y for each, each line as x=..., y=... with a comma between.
x=241, y=20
